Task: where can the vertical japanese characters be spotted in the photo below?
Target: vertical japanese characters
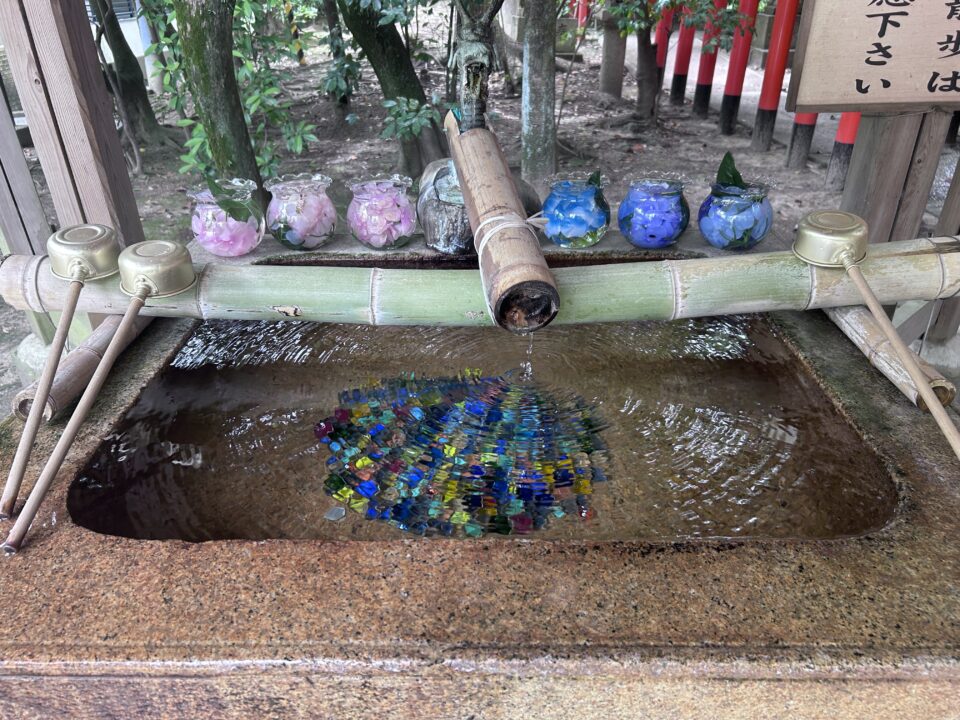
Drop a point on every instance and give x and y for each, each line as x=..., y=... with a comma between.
x=948, y=47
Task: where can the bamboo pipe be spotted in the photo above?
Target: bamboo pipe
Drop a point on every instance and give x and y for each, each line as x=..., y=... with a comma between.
x=923, y=269
x=11, y=490
x=857, y=323
x=943, y=420
x=75, y=370
x=520, y=291
x=50, y=470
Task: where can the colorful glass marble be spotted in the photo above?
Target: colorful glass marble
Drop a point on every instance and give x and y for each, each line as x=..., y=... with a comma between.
x=300, y=214
x=216, y=230
x=576, y=213
x=735, y=218
x=654, y=213
x=463, y=456
x=381, y=215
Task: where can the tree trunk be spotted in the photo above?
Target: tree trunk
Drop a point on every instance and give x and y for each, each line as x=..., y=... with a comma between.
x=648, y=79
x=206, y=40
x=133, y=87
x=388, y=55
x=614, y=55
x=538, y=131
x=332, y=15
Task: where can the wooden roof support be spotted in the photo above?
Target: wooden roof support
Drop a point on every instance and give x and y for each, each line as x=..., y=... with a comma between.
x=55, y=67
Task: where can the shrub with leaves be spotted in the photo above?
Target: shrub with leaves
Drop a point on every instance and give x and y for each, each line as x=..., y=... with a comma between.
x=406, y=117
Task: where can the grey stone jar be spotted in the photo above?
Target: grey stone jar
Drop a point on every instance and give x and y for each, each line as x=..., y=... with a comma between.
x=441, y=212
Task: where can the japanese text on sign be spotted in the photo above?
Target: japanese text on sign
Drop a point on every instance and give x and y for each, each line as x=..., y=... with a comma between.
x=863, y=54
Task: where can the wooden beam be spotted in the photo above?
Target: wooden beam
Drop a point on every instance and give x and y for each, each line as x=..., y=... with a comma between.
x=22, y=219
x=948, y=320
x=23, y=224
x=921, y=174
x=55, y=66
x=878, y=170
x=84, y=114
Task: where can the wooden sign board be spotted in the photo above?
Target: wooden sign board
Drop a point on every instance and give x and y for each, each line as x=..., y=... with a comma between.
x=877, y=55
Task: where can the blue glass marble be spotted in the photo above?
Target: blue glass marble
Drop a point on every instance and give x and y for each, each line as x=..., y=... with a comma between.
x=733, y=218
x=577, y=214
x=654, y=213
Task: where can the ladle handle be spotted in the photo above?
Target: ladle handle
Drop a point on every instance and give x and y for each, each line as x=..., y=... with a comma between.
x=19, y=466
x=947, y=427
x=89, y=397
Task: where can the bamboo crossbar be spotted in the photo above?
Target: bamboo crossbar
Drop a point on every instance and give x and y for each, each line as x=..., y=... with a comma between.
x=923, y=269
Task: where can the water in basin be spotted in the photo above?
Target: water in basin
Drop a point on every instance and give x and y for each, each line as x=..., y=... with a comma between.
x=710, y=429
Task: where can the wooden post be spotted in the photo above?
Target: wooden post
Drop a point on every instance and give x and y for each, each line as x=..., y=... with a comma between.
x=23, y=224
x=520, y=291
x=878, y=170
x=947, y=322
x=538, y=129
x=55, y=67
x=921, y=173
x=843, y=143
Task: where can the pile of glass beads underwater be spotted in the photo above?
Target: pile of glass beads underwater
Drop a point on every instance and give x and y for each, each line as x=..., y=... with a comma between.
x=463, y=455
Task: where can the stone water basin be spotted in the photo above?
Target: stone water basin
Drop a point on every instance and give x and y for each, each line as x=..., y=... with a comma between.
x=843, y=603
x=711, y=428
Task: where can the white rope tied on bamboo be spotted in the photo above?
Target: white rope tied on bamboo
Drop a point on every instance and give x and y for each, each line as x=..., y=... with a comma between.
x=503, y=222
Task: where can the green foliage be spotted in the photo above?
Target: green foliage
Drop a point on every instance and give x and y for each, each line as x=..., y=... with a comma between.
x=407, y=117
x=635, y=15
x=728, y=175
x=343, y=75
x=262, y=40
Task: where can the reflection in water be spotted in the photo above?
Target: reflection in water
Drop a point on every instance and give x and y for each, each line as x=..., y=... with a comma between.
x=712, y=429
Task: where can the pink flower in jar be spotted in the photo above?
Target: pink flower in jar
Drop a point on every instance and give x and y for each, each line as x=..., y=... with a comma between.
x=380, y=214
x=216, y=231
x=301, y=215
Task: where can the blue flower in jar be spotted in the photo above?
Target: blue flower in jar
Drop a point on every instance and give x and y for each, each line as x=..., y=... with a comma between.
x=735, y=218
x=654, y=213
x=576, y=212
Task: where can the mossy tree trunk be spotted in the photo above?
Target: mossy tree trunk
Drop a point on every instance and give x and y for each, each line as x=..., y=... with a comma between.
x=332, y=15
x=206, y=40
x=387, y=53
x=129, y=76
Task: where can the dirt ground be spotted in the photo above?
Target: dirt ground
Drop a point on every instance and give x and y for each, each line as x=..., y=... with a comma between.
x=595, y=133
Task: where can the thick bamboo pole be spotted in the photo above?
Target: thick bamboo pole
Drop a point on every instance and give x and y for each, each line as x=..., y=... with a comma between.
x=923, y=269
x=521, y=293
x=857, y=323
x=75, y=370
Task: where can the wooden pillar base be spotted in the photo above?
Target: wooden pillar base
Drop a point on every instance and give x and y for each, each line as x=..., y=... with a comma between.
x=839, y=165
x=729, y=109
x=701, y=100
x=763, y=127
x=801, y=141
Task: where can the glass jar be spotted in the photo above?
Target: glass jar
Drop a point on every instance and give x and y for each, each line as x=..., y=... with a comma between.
x=228, y=234
x=734, y=218
x=576, y=213
x=654, y=213
x=300, y=215
x=440, y=209
x=381, y=215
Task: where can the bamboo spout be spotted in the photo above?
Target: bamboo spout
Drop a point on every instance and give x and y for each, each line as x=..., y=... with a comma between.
x=520, y=291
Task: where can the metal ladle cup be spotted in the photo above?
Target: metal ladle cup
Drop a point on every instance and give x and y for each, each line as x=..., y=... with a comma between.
x=835, y=239
x=77, y=254
x=157, y=268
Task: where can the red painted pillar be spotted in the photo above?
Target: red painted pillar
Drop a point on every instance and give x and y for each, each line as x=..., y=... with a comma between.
x=739, y=55
x=681, y=63
x=583, y=12
x=662, y=41
x=708, y=63
x=781, y=37
x=804, y=126
x=842, y=150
